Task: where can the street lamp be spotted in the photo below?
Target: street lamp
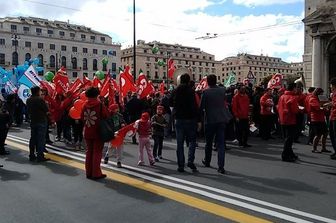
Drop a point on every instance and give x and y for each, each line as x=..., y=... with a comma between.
x=15, y=40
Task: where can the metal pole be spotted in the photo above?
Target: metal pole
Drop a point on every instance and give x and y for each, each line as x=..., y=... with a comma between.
x=134, y=44
x=167, y=78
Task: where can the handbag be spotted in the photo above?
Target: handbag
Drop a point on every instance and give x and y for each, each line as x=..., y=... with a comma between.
x=106, y=128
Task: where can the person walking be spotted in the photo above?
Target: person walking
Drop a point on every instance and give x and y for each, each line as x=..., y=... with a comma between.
x=187, y=116
x=266, y=119
x=93, y=112
x=240, y=109
x=215, y=118
x=288, y=108
x=38, y=112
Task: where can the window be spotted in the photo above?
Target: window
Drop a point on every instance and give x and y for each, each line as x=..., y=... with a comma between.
x=183, y=55
x=40, y=45
x=74, y=74
x=40, y=57
x=74, y=49
x=72, y=35
x=2, y=58
x=102, y=39
x=52, y=46
x=83, y=36
x=15, y=58
x=52, y=61
x=27, y=57
x=85, y=50
x=92, y=37
x=50, y=32
x=27, y=44
x=95, y=51
x=85, y=64
x=61, y=33
x=38, y=30
x=26, y=29
x=94, y=64
x=63, y=48
x=104, y=52
x=74, y=62
x=114, y=67
x=13, y=27
x=2, y=41
x=63, y=61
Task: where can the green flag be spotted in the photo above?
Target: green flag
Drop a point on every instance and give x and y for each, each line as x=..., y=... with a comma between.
x=231, y=80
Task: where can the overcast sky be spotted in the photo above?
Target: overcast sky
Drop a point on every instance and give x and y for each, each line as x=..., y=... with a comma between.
x=242, y=25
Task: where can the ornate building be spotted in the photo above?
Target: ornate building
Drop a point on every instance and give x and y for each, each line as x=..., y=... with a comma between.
x=261, y=66
x=199, y=62
x=78, y=48
x=320, y=42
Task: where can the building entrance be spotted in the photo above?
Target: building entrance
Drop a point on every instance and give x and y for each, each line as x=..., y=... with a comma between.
x=332, y=59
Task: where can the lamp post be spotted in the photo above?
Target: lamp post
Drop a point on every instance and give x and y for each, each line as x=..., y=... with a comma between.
x=15, y=40
x=134, y=42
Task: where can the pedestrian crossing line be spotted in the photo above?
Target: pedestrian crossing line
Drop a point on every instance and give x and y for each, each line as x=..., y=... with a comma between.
x=228, y=213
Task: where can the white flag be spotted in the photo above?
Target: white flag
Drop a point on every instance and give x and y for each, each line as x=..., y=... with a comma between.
x=24, y=93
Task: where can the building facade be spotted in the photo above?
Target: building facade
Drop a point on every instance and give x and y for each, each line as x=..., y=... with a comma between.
x=199, y=62
x=320, y=42
x=78, y=48
x=261, y=66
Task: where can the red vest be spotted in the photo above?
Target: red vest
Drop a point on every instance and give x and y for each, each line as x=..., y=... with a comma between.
x=288, y=108
x=240, y=106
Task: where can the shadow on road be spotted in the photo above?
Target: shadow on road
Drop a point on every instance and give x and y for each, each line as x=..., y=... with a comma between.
x=8, y=175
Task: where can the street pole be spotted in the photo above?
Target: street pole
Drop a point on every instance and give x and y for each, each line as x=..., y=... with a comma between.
x=134, y=44
x=167, y=78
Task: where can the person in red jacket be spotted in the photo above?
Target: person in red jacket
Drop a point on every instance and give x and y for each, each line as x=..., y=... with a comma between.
x=93, y=112
x=307, y=110
x=266, y=105
x=288, y=109
x=332, y=124
x=240, y=109
x=318, y=121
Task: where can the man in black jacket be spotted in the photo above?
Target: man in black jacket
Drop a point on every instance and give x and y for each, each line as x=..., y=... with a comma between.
x=186, y=115
x=134, y=108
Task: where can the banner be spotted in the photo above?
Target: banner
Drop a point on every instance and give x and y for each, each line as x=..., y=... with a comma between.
x=275, y=82
x=171, y=68
x=231, y=80
x=202, y=85
x=144, y=88
x=30, y=78
x=24, y=93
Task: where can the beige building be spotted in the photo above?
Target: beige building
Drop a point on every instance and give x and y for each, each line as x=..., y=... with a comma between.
x=199, y=62
x=261, y=66
x=78, y=48
x=320, y=42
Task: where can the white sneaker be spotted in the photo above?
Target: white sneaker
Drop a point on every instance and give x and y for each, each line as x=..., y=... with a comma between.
x=235, y=141
x=141, y=163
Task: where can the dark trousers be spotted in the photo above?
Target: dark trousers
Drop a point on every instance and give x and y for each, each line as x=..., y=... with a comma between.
x=158, y=144
x=185, y=129
x=243, y=131
x=37, y=139
x=289, y=133
x=266, y=126
x=299, y=125
x=332, y=133
x=211, y=130
x=59, y=126
x=3, y=136
x=77, y=131
x=67, y=127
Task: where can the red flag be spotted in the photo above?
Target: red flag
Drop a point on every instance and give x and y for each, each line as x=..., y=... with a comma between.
x=162, y=87
x=111, y=96
x=105, y=87
x=49, y=86
x=115, y=85
x=202, y=85
x=127, y=73
x=76, y=86
x=144, y=88
x=126, y=82
x=61, y=81
x=86, y=81
x=275, y=81
x=171, y=68
x=96, y=82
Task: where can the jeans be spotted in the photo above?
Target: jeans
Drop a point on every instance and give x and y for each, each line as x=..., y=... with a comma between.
x=37, y=139
x=211, y=130
x=158, y=144
x=185, y=129
x=332, y=133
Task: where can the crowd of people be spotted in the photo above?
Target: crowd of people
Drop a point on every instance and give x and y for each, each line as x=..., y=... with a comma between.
x=218, y=114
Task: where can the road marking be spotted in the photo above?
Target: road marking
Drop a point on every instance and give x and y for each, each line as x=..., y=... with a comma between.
x=202, y=192
x=188, y=200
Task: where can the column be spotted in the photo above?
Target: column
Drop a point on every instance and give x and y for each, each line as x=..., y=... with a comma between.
x=317, y=62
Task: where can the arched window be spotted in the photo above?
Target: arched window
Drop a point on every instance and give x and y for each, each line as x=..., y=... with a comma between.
x=40, y=56
x=74, y=62
x=15, y=58
x=94, y=64
x=85, y=64
x=27, y=57
x=52, y=61
x=63, y=61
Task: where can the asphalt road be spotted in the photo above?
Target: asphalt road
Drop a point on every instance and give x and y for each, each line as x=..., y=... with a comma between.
x=257, y=183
